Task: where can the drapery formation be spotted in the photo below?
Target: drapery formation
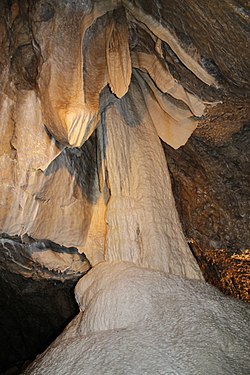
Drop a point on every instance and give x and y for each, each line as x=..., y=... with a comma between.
x=83, y=59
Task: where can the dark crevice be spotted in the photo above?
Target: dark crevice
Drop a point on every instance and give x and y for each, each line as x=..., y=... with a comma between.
x=32, y=315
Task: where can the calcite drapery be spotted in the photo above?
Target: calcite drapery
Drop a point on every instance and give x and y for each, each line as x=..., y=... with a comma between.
x=74, y=64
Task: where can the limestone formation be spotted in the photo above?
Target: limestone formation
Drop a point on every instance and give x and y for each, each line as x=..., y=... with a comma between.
x=97, y=100
x=51, y=191
x=139, y=321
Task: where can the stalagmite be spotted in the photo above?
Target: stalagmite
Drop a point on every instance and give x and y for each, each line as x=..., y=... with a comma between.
x=139, y=321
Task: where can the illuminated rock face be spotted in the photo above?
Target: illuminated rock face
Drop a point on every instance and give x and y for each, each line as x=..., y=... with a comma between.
x=142, y=222
x=139, y=321
x=82, y=81
x=98, y=53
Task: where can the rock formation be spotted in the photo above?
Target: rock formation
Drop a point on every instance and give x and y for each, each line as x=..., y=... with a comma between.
x=140, y=321
x=96, y=97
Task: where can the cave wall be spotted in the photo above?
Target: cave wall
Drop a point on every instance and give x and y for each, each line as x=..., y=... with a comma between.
x=210, y=178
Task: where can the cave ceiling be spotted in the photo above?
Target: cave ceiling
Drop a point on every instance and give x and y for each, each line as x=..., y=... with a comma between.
x=68, y=68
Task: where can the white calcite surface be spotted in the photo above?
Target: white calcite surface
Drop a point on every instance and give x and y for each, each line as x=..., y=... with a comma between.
x=140, y=321
x=143, y=226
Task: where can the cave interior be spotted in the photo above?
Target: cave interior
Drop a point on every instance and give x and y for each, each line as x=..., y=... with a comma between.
x=125, y=138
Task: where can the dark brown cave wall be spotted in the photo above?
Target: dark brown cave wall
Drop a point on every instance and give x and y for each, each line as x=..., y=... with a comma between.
x=211, y=173
x=217, y=30
x=211, y=179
